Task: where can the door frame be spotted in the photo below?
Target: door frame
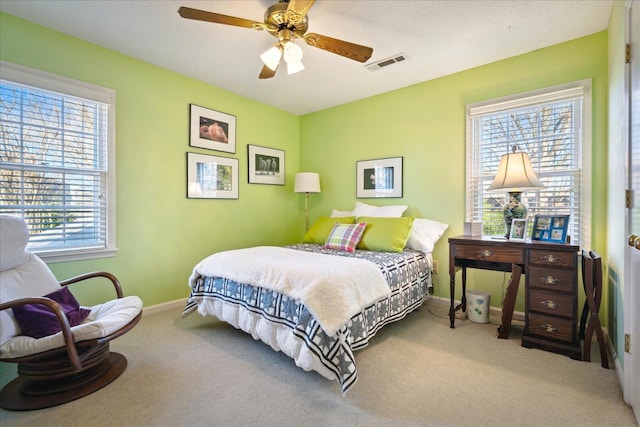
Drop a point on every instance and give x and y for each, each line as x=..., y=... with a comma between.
x=631, y=291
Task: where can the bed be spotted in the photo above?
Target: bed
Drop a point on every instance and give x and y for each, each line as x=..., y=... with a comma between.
x=316, y=304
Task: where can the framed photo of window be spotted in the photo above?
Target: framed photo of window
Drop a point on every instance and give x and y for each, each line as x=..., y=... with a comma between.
x=550, y=228
x=266, y=165
x=212, y=129
x=518, y=229
x=379, y=178
x=211, y=177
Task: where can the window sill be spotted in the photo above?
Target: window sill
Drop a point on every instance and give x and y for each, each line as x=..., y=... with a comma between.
x=76, y=255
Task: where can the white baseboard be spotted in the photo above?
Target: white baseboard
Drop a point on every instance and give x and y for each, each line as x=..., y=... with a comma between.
x=495, y=311
x=164, y=306
x=615, y=361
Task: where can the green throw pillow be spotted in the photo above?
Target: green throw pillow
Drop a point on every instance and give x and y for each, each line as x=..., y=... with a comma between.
x=385, y=234
x=320, y=230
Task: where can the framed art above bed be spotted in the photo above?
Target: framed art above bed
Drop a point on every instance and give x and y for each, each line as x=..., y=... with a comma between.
x=211, y=177
x=379, y=178
x=212, y=129
x=266, y=165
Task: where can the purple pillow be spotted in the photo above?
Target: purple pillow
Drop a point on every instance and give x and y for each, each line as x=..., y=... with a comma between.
x=37, y=320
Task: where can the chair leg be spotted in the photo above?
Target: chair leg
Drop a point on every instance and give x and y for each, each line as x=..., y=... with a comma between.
x=604, y=358
x=583, y=319
x=594, y=325
x=586, y=347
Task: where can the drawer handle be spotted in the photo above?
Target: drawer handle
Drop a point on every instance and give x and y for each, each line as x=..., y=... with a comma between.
x=549, y=280
x=551, y=259
x=550, y=304
x=549, y=328
x=486, y=253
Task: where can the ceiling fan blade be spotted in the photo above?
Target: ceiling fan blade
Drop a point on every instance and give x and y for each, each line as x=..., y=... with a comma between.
x=216, y=18
x=340, y=47
x=267, y=73
x=301, y=7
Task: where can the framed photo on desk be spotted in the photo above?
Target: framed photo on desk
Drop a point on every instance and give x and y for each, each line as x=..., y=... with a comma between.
x=550, y=228
x=518, y=229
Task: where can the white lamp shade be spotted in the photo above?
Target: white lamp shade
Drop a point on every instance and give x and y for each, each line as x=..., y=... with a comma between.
x=271, y=58
x=307, y=182
x=293, y=57
x=515, y=173
x=292, y=53
x=293, y=68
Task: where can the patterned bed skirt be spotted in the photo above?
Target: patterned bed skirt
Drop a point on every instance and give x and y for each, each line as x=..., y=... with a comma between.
x=286, y=325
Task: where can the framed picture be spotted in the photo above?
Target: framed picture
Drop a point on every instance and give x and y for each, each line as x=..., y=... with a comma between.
x=518, y=229
x=379, y=178
x=212, y=129
x=266, y=165
x=211, y=177
x=550, y=228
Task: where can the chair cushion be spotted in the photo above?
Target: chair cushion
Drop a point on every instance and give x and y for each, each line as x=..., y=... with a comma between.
x=13, y=285
x=38, y=320
x=14, y=236
x=103, y=320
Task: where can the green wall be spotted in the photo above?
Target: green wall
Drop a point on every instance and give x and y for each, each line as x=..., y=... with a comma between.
x=425, y=124
x=161, y=234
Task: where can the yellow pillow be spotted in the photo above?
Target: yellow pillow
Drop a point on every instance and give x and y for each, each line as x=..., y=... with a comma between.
x=321, y=229
x=384, y=234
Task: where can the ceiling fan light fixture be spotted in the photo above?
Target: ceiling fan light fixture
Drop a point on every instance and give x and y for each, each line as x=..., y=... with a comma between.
x=292, y=53
x=294, y=67
x=271, y=57
x=286, y=20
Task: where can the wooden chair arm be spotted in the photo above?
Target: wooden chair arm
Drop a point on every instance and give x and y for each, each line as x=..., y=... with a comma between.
x=86, y=276
x=62, y=320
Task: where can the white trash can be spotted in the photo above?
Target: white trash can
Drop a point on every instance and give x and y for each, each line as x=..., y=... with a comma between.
x=478, y=305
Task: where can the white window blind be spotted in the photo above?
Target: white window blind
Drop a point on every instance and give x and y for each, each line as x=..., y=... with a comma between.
x=552, y=126
x=55, y=168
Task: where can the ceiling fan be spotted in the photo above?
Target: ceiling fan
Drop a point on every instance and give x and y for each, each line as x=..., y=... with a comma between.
x=287, y=21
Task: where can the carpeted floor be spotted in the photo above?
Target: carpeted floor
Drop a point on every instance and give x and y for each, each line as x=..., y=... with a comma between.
x=416, y=372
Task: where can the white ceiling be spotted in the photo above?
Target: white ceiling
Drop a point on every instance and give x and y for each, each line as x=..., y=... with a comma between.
x=438, y=37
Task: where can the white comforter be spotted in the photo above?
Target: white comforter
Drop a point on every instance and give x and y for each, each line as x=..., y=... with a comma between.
x=333, y=288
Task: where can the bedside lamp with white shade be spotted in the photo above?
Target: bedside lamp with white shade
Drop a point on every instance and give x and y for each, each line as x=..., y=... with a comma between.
x=515, y=175
x=307, y=182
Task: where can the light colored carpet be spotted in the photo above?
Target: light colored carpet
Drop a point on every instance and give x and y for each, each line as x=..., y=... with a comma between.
x=416, y=372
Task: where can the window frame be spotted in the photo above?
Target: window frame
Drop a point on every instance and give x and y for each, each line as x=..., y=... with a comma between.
x=531, y=98
x=64, y=85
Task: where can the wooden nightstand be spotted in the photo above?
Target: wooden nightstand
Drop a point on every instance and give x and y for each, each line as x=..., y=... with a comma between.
x=551, y=299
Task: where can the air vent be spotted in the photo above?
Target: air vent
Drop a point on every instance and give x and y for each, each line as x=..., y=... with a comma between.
x=375, y=66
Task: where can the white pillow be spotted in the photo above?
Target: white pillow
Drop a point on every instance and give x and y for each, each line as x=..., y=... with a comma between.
x=424, y=234
x=393, y=211
x=340, y=214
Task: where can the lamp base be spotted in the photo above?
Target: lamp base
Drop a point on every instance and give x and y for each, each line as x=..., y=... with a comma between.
x=515, y=209
x=306, y=212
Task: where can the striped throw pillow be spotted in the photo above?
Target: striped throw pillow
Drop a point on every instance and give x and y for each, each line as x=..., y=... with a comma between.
x=345, y=237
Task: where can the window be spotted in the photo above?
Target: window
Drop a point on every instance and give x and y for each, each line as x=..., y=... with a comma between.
x=553, y=126
x=56, y=162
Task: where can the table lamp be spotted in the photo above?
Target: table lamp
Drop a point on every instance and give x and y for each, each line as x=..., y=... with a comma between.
x=515, y=175
x=307, y=182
